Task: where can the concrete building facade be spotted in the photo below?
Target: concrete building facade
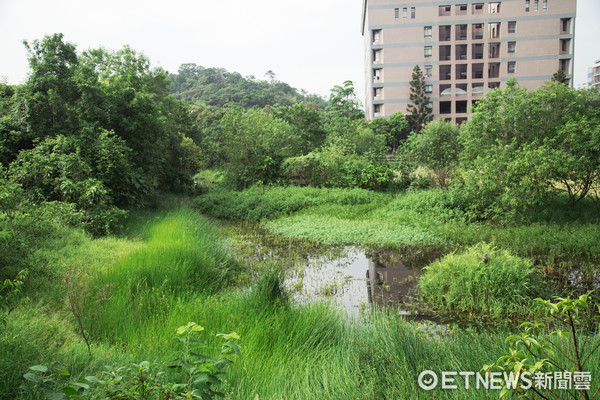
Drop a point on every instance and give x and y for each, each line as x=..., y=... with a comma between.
x=594, y=76
x=464, y=47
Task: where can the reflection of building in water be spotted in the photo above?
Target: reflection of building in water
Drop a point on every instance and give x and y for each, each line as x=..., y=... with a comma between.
x=390, y=284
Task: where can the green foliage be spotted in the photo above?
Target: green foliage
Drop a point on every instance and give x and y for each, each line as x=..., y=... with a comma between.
x=9, y=291
x=256, y=144
x=437, y=147
x=521, y=146
x=217, y=87
x=420, y=107
x=480, y=282
x=255, y=204
x=182, y=255
x=562, y=338
x=343, y=102
x=52, y=382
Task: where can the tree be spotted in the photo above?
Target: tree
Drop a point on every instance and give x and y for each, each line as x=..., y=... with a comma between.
x=420, y=109
x=436, y=147
x=343, y=102
x=521, y=146
x=559, y=76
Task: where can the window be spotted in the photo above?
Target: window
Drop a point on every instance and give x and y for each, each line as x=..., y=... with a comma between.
x=512, y=26
x=477, y=70
x=461, y=71
x=377, y=92
x=445, y=32
x=565, y=25
x=494, y=29
x=512, y=46
x=445, y=72
x=461, y=107
x=477, y=32
x=412, y=12
x=565, y=46
x=444, y=11
x=428, y=51
x=494, y=8
x=527, y=5
x=445, y=107
x=445, y=90
x=377, y=74
x=512, y=66
x=404, y=12
x=478, y=8
x=535, y=4
x=428, y=88
x=445, y=53
x=428, y=71
x=428, y=32
x=494, y=85
x=377, y=55
x=461, y=32
x=396, y=13
x=545, y=5
x=376, y=35
x=461, y=9
x=377, y=108
x=477, y=51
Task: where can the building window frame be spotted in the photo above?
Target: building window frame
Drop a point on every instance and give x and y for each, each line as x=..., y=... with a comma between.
x=428, y=51
x=396, y=13
x=512, y=47
x=428, y=71
x=527, y=5
x=413, y=12
x=512, y=26
x=428, y=32
x=428, y=89
x=404, y=13
x=511, y=67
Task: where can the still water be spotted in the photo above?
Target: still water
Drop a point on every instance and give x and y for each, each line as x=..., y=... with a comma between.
x=357, y=281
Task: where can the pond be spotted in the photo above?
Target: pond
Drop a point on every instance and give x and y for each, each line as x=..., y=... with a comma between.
x=359, y=280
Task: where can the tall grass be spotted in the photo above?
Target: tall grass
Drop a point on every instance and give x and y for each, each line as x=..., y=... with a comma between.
x=482, y=282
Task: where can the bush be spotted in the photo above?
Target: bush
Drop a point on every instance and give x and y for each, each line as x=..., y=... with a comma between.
x=478, y=282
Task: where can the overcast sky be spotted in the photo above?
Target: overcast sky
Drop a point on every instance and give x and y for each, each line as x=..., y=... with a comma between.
x=310, y=44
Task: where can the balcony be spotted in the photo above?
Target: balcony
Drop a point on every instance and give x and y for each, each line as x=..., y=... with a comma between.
x=494, y=50
x=461, y=32
x=445, y=33
x=477, y=31
x=477, y=71
x=445, y=72
x=494, y=30
x=477, y=52
x=461, y=52
x=445, y=53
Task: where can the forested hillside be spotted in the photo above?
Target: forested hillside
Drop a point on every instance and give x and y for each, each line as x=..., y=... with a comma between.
x=218, y=87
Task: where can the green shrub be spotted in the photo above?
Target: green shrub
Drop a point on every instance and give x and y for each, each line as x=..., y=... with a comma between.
x=480, y=281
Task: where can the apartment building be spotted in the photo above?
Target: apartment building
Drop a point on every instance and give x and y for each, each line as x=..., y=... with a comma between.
x=464, y=47
x=594, y=76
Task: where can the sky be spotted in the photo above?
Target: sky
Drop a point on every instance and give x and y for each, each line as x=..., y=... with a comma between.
x=309, y=44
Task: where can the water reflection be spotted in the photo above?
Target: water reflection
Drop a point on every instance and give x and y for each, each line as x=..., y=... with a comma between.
x=359, y=280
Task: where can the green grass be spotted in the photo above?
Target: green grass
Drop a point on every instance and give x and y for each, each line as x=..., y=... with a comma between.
x=467, y=285
x=172, y=267
x=555, y=234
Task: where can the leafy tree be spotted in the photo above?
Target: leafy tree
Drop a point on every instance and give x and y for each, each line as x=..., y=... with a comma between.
x=436, y=147
x=308, y=122
x=520, y=146
x=395, y=129
x=559, y=76
x=420, y=109
x=343, y=102
x=256, y=143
